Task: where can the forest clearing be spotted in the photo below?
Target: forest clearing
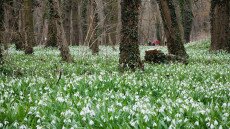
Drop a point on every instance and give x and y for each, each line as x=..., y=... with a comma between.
x=92, y=93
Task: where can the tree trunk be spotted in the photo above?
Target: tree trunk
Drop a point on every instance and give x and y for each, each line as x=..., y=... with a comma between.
x=187, y=19
x=220, y=25
x=61, y=39
x=129, y=46
x=29, y=27
x=1, y=29
x=75, y=31
x=52, y=30
x=67, y=14
x=92, y=28
x=118, y=29
x=171, y=27
x=101, y=18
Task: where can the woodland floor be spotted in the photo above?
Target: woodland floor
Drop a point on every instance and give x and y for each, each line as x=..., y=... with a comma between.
x=93, y=94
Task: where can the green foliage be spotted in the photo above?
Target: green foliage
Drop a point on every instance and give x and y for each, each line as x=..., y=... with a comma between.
x=93, y=94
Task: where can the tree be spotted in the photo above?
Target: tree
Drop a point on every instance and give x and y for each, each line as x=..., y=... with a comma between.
x=1, y=29
x=220, y=25
x=67, y=21
x=187, y=18
x=52, y=30
x=129, y=46
x=75, y=23
x=171, y=28
x=61, y=39
x=92, y=27
x=29, y=26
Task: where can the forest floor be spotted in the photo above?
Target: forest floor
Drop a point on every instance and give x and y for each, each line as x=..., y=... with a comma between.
x=92, y=93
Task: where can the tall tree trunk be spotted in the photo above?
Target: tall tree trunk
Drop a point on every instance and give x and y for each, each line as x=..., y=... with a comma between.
x=52, y=30
x=92, y=28
x=75, y=23
x=129, y=46
x=118, y=29
x=1, y=29
x=61, y=39
x=67, y=14
x=171, y=27
x=187, y=19
x=220, y=25
x=101, y=18
x=29, y=27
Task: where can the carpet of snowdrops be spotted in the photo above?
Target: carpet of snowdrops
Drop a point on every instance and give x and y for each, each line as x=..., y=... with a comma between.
x=92, y=93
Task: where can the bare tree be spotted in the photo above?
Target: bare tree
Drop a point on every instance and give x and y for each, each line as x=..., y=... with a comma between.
x=220, y=25
x=171, y=27
x=129, y=46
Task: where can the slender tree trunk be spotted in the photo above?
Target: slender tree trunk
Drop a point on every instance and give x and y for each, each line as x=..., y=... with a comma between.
x=29, y=27
x=61, y=39
x=67, y=14
x=92, y=28
x=52, y=30
x=101, y=18
x=129, y=46
x=75, y=38
x=220, y=25
x=171, y=27
x=118, y=29
x=1, y=29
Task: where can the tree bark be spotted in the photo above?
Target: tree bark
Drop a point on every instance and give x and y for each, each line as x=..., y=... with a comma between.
x=220, y=25
x=171, y=27
x=129, y=46
x=75, y=23
x=1, y=29
x=92, y=28
x=61, y=39
x=67, y=14
x=29, y=26
x=187, y=19
x=52, y=30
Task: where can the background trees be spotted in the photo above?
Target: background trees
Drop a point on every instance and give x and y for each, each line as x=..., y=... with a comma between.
x=98, y=22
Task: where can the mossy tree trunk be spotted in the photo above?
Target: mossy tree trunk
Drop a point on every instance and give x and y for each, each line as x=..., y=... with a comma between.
x=220, y=25
x=129, y=46
x=171, y=28
x=29, y=26
x=187, y=18
x=61, y=38
x=52, y=30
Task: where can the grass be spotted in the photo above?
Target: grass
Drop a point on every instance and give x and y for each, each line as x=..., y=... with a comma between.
x=93, y=94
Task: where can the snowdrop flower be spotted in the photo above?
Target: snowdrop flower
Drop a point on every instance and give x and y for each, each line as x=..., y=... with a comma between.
x=60, y=99
x=91, y=122
x=215, y=122
x=146, y=118
x=132, y=123
x=197, y=123
x=1, y=125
